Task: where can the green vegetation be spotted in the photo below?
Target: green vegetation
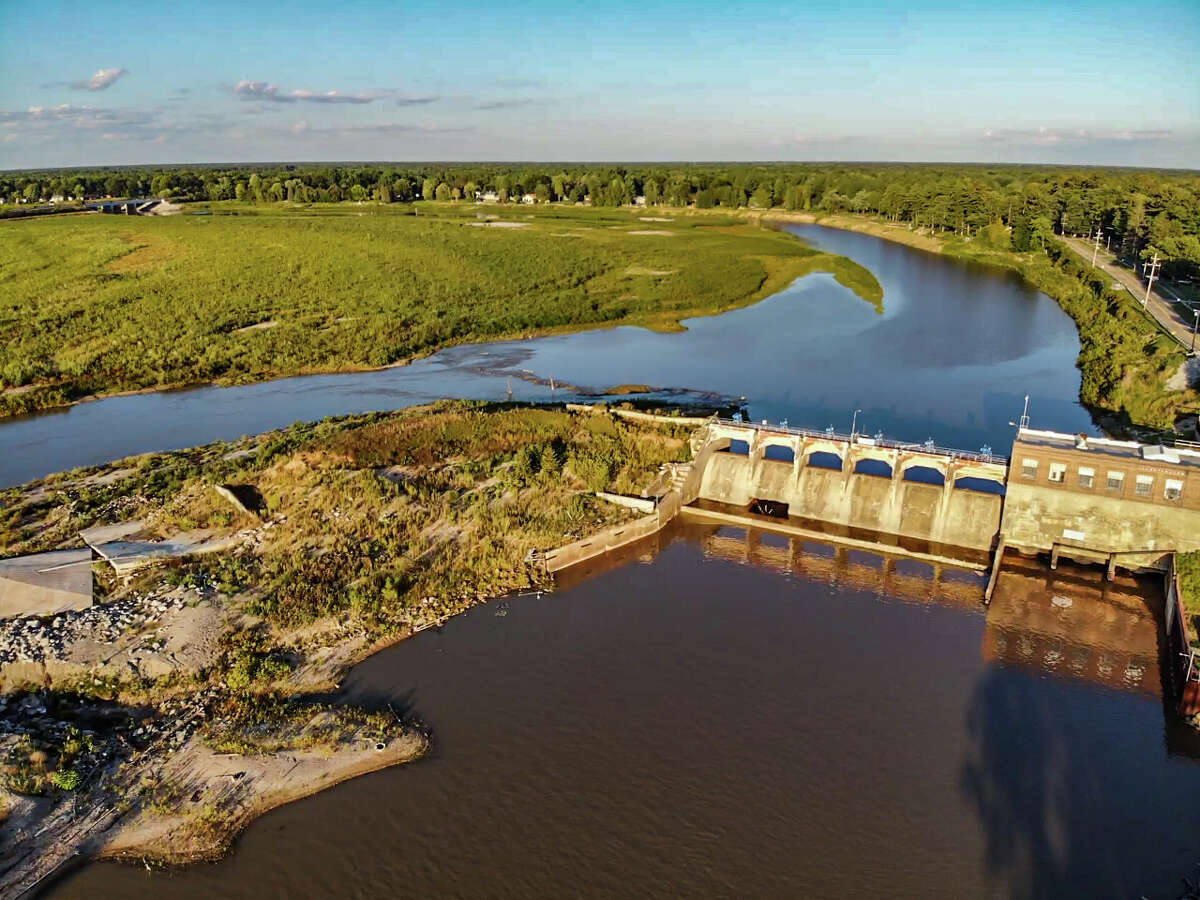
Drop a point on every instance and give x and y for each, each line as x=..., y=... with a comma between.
x=266, y=723
x=1188, y=567
x=106, y=303
x=392, y=520
x=50, y=755
x=335, y=271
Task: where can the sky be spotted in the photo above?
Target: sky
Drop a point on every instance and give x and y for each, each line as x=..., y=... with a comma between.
x=131, y=82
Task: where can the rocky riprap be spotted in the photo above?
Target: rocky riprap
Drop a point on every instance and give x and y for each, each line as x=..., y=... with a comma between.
x=34, y=639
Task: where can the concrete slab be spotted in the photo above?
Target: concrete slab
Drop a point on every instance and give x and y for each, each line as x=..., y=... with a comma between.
x=44, y=584
x=102, y=534
x=127, y=557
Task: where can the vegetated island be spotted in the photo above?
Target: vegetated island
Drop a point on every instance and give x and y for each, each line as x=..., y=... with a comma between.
x=99, y=304
x=195, y=693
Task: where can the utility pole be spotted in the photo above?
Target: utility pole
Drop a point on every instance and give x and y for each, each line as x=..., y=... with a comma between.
x=1153, y=268
x=1096, y=247
x=1195, y=326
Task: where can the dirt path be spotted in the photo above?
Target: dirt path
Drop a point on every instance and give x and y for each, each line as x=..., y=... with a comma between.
x=1167, y=313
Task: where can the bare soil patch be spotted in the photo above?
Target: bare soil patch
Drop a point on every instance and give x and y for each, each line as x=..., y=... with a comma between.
x=257, y=326
x=643, y=270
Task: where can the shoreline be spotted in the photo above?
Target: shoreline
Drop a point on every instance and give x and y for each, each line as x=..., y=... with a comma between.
x=181, y=840
x=898, y=234
x=663, y=321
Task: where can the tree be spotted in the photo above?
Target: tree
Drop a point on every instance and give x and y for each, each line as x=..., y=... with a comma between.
x=428, y=189
x=442, y=192
x=255, y=188
x=542, y=192
x=32, y=191
x=652, y=192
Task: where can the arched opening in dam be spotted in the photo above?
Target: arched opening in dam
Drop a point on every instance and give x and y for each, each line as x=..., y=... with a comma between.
x=925, y=475
x=739, y=448
x=821, y=459
x=874, y=467
x=779, y=453
x=980, y=485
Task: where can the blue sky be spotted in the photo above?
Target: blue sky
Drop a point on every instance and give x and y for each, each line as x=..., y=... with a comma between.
x=85, y=83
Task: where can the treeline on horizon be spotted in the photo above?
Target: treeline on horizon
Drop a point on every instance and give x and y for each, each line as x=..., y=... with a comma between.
x=1139, y=212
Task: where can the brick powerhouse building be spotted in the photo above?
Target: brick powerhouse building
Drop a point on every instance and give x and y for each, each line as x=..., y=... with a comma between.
x=1098, y=500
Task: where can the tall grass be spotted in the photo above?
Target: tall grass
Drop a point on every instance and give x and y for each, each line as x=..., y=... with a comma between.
x=107, y=303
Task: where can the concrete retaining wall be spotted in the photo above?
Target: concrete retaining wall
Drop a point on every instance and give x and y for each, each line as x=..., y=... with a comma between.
x=602, y=542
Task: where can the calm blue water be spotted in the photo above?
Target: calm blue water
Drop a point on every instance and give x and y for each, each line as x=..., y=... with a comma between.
x=952, y=355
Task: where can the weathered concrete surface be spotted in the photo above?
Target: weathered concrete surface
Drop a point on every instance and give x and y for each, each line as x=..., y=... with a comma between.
x=118, y=546
x=791, y=530
x=941, y=514
x=1039, y=519
x=1097, y=518
x=44, y=584
x=609, y=539
x=641, y=504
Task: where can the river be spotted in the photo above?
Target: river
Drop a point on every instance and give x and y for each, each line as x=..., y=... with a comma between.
x=729, y=716
x=727, y=713
x=951, y=357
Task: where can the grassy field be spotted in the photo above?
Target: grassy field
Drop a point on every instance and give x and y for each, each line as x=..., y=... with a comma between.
x=96, y=304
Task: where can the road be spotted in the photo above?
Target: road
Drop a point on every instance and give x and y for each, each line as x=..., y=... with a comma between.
x=1167, y=313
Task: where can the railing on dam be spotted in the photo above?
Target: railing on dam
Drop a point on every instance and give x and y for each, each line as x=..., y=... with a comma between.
x=830, y=435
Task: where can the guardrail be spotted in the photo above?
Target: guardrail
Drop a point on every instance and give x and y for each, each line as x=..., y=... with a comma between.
x=829, y=435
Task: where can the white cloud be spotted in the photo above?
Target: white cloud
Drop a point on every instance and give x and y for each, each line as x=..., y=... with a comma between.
x=264, y=90
x=1049, y=137
x=102, y=80
x=299, y=128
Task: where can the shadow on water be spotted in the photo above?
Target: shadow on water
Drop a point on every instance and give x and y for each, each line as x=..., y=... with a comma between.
x=1077, y=789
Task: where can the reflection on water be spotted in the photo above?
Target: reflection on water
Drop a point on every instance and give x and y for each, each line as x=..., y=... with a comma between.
x=731, y=713
x=894, y=578
x=1071, y=623
x=951, y=357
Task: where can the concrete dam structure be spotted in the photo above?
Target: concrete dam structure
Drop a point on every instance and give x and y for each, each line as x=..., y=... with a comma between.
x=920, y=492
x=1094, y=500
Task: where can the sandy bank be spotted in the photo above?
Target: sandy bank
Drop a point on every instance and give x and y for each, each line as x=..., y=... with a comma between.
x=223, y=793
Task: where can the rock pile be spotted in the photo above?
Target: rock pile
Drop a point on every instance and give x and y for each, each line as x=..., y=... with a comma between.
x=33, y=639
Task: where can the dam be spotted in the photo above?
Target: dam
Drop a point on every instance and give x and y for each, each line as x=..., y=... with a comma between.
x=1093, y=500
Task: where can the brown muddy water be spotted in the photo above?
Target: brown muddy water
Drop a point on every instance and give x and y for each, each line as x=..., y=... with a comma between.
x=725, y=713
